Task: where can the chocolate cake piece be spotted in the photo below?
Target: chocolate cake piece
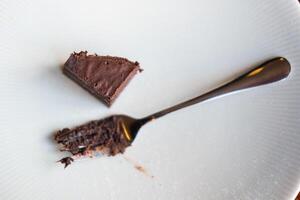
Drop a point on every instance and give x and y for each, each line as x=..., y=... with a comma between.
x=105, y=136
x=103, y=76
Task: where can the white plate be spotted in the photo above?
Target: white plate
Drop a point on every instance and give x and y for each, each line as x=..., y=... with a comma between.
x=242, y=146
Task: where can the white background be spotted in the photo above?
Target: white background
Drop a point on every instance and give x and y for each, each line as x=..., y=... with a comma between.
x=242, y=146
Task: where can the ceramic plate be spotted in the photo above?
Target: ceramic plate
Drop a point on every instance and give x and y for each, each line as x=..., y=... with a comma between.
x=242, y=146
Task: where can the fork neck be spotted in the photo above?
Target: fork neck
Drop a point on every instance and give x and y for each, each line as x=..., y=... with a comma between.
x=145, y=120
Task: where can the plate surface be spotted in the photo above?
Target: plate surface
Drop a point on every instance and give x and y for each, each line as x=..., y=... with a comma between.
x=242, y=146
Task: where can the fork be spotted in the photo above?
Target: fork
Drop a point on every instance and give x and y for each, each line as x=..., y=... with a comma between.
x=268, y=72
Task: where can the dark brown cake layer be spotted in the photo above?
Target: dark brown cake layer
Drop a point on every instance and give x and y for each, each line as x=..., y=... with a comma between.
x=103, y=76
x=105, y=136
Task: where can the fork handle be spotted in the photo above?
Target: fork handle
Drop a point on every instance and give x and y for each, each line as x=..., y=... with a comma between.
x=270, y=71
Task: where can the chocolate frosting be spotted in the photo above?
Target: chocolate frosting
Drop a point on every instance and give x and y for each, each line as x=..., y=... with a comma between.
x=103, y=76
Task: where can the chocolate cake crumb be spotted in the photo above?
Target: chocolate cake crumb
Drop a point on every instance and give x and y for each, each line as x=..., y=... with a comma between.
x=104, y=136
